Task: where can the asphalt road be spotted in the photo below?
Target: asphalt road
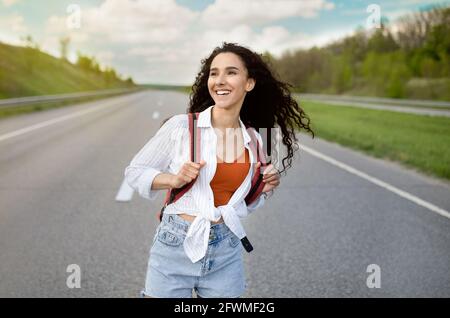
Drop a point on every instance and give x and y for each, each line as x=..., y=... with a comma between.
x=314, y=238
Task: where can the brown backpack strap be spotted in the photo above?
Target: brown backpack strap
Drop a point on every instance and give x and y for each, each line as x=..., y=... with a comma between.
x=195, y=147
x=258, y=153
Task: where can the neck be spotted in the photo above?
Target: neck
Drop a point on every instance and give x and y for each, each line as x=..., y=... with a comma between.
x=225, y=118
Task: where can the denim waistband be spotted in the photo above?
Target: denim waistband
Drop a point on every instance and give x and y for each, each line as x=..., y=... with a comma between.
x=220, y=229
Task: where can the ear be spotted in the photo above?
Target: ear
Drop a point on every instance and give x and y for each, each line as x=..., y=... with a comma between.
x=250, y=84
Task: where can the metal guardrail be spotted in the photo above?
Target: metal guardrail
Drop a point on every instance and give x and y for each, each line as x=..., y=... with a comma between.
x=375, y=100
x=13, y=102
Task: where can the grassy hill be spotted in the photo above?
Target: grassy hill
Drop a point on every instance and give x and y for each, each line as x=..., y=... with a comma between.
x=26, y=71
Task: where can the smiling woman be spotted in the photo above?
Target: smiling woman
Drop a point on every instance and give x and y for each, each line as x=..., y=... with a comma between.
x=265, y=102
x=196, y=246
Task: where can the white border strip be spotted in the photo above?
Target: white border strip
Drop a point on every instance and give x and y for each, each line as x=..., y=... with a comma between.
x=378, y=182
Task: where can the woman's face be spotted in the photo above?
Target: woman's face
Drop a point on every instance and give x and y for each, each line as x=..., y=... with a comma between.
x=228, y=81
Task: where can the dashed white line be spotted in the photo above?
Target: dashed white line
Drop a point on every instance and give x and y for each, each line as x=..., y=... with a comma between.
x=125, y=193
x=46, y=123
x=378, y=182
x=155, y=115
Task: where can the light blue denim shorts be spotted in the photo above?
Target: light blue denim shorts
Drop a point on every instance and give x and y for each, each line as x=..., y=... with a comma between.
x=171, y=274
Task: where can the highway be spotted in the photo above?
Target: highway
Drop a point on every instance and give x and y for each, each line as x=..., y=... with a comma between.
x=335, y=213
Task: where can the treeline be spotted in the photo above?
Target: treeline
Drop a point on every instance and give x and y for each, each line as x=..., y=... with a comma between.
x=408, y=59
x=84, y=62
x=90, y=64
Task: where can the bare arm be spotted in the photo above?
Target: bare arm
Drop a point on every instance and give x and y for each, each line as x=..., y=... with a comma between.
x=188, y=172
x=162, y=181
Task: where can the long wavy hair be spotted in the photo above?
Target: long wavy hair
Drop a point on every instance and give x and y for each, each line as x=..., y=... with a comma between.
x=269, y=104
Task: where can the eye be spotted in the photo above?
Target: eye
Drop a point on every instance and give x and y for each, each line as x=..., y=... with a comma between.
x=231, y=72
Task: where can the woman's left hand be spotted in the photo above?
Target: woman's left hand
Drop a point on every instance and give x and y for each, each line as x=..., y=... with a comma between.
x=271, y=177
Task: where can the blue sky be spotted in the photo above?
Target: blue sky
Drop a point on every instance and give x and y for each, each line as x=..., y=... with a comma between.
x=163, y=41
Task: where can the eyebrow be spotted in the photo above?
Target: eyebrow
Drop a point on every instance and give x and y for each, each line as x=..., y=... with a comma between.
x=227, y=68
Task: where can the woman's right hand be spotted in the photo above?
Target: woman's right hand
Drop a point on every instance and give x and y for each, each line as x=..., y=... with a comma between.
x=188, y=172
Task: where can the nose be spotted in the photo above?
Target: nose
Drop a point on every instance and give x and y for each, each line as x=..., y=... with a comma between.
x=220, y=80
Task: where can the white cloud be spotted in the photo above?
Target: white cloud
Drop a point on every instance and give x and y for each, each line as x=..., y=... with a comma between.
x=179, y=63
x=12, y=28
x=105, y=58
x=161, y=41
x=120, y=23
x=132, y=22
x=17, y=23
x=224, y=13
x=55, y=29
x=8, y=3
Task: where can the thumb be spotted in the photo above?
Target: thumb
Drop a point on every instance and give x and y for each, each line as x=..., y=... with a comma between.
x=202, y=163
x=258, y=164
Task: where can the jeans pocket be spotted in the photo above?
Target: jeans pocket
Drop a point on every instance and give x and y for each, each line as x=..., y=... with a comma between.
x=170, y=237
x=233, y=240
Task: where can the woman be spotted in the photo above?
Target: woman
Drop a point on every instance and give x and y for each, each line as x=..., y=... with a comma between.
x=197, y=244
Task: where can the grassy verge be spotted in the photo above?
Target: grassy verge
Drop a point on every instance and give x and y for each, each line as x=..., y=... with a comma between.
x=24, y=109
x=420, y=142
x=339, y=103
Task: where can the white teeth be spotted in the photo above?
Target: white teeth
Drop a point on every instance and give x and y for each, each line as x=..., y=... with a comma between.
x=223, y=92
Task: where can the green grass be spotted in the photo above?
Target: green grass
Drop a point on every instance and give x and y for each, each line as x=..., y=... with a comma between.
x=26, y=71
x=338, y=103
x=420, y=142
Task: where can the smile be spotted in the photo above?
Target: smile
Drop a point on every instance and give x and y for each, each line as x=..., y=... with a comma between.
x=223, y=92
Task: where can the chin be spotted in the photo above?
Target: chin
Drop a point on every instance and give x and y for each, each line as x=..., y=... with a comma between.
x=226, y=103
x=222, y=104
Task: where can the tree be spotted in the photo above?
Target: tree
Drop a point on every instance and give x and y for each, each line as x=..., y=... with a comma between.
x=63, y=45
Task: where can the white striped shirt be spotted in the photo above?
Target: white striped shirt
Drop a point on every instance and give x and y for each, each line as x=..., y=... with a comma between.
x=166, y=152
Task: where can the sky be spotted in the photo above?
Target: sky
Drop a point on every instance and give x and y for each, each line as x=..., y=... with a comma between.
x=164, y=41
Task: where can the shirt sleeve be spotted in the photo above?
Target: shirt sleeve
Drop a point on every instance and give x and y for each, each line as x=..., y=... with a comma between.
x=259, y=202
x=154, y=158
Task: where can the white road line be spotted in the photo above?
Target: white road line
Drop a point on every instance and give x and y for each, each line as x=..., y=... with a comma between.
x=155, y=115
x=46, y=123
x=125, y=193
x=378, y=182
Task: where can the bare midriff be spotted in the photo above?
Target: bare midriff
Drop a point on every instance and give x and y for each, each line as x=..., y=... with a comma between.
x=191, y=218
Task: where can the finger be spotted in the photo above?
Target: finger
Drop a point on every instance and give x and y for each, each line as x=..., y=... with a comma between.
x=270, y=169
x=180, y=182
x=270, y=175
x=187, y=179
x=269, y=179
x=274, y=183
x=191, y=169
x=196, y=165
x=267, y=173
x=190, y=174
x=192, y=164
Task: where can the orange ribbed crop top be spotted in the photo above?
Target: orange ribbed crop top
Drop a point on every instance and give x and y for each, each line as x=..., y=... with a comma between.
x=228, y=177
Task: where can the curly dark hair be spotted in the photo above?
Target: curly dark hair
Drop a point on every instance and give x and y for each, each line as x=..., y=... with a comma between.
x=268, y=103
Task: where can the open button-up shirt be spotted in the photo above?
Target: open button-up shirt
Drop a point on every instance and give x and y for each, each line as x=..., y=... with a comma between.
x=166, y=152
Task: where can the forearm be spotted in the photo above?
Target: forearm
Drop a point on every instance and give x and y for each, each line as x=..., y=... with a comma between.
x=162, y=181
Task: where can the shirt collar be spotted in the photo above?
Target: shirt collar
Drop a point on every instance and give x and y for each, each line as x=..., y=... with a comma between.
x=204, y=121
